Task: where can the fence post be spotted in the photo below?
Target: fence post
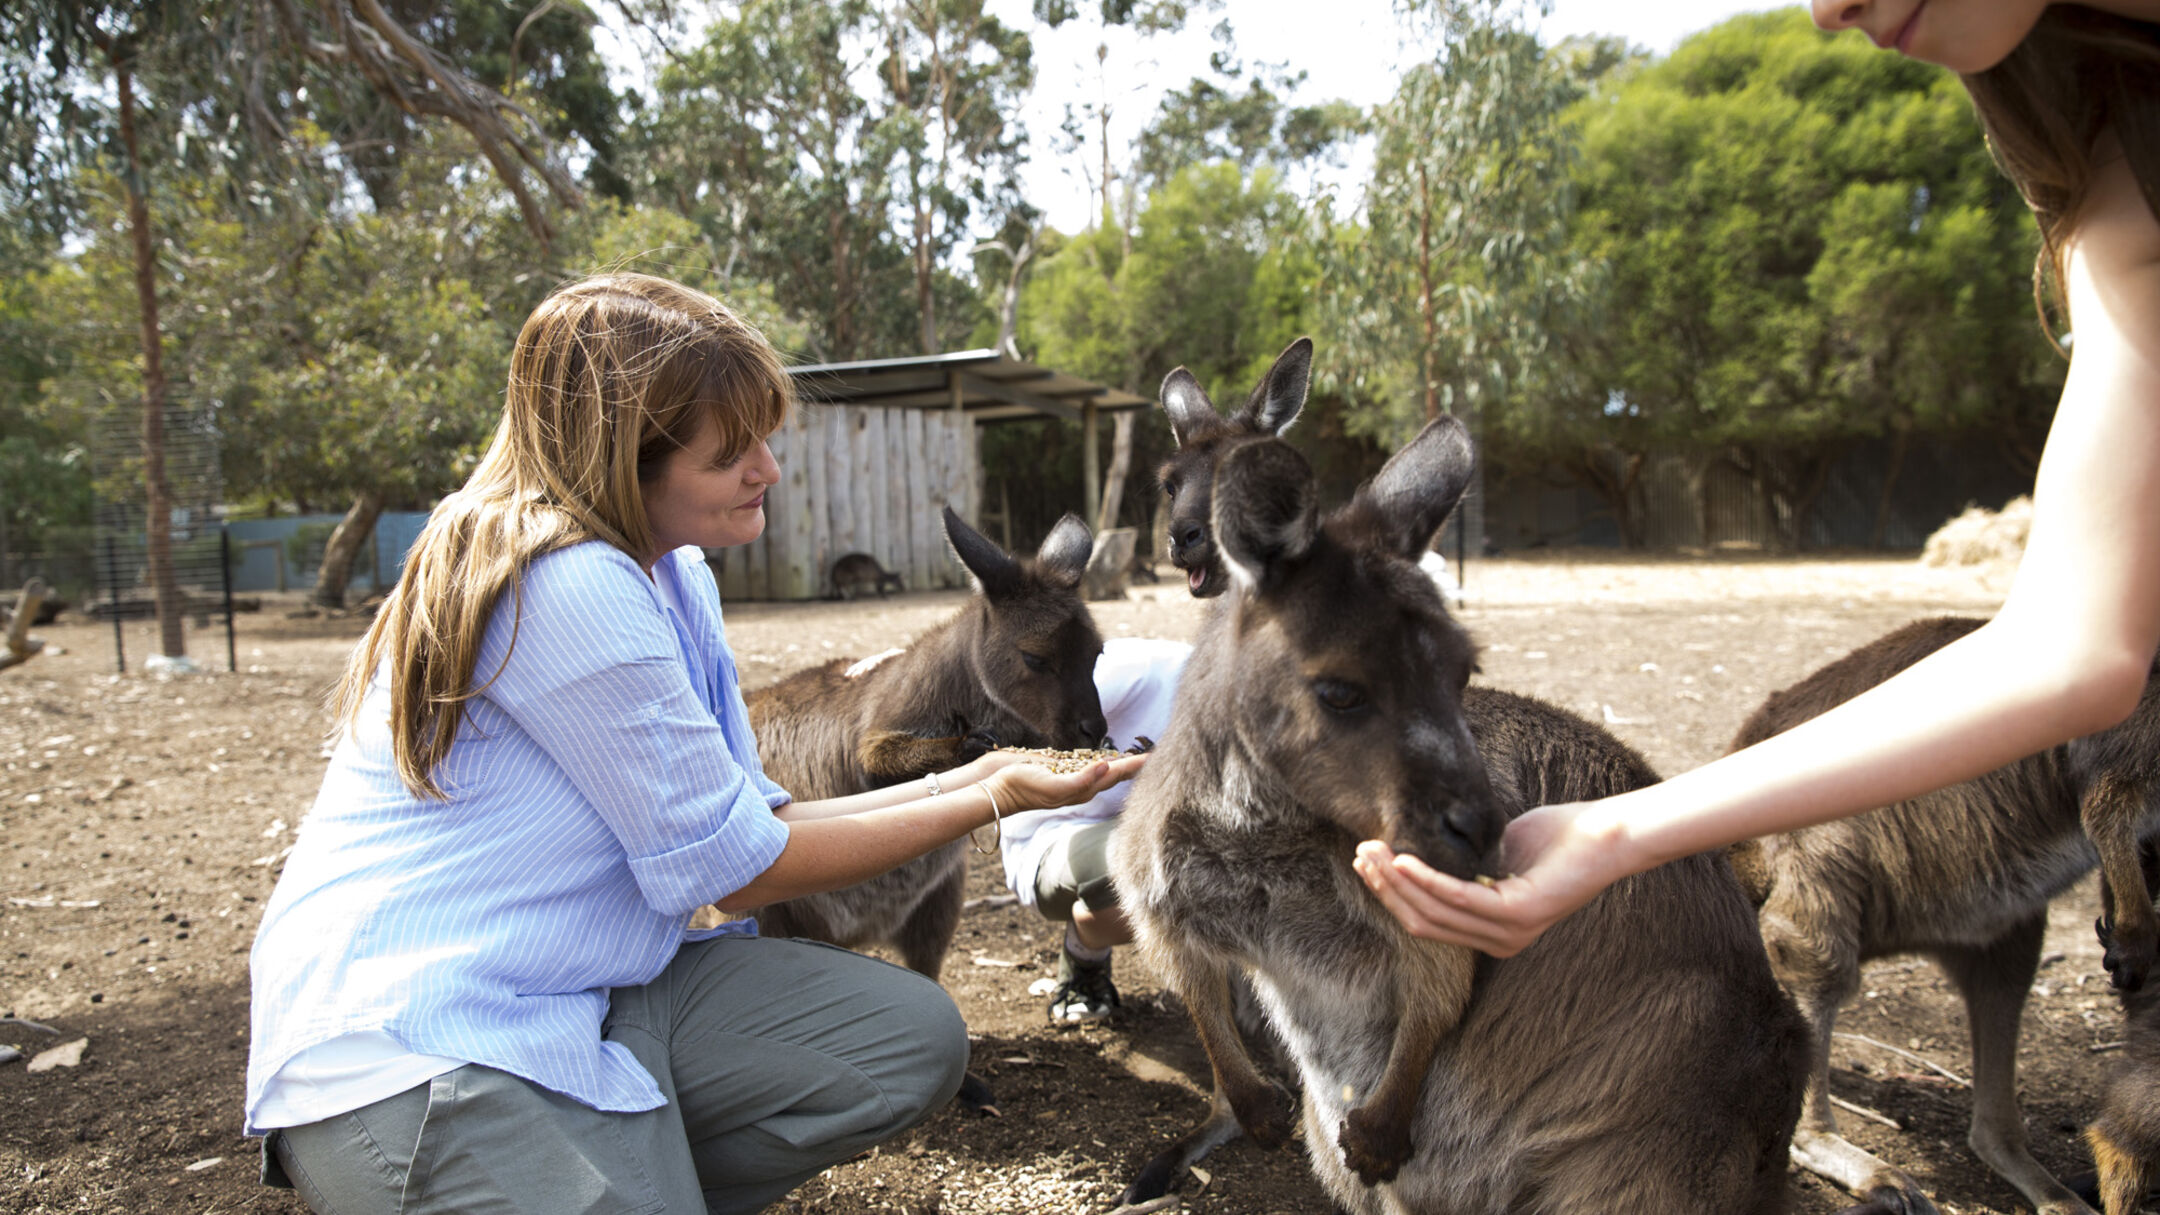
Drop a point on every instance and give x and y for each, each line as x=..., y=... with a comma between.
x=112, y=584
x=224, y=545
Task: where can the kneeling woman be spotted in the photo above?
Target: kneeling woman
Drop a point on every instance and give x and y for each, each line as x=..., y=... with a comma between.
x=475, y=988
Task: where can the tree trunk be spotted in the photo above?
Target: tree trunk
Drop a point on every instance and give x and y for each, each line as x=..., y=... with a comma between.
x=1113, y=494
x=172, y=640
x=925, y=284
x=351, y=535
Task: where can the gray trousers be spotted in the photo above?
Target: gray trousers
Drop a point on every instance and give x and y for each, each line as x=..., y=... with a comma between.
x=778, y=1058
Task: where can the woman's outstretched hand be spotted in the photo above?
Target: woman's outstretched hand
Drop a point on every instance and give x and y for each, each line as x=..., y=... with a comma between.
x=1031, y=786
x=1555, y=862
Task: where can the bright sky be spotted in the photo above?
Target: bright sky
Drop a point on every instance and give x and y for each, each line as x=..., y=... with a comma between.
x=1355, y=57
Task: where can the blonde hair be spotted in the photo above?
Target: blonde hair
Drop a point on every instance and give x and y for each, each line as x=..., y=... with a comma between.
x=2078, y=73
x=610, y=376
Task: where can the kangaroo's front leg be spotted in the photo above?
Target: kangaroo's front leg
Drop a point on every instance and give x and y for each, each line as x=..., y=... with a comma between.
x=1204, y=985
x=2129, y=931
x=1431, y=990
x=892, y=756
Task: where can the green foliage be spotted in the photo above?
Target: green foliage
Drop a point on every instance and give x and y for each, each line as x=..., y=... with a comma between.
x=1438, y=294
x=1806, y=243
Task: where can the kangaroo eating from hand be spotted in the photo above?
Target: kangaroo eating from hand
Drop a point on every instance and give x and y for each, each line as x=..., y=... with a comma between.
x=1015, y=667
x=1638, y=1057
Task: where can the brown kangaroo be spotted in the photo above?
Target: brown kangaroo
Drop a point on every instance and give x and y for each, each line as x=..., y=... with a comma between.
x=1015, y=667
x=2125, y=1138
x=1962, y=875
x=1639, y=1057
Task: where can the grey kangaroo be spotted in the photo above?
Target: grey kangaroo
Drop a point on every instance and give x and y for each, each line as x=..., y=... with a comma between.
x=1015, y=667
x=1639, y=1057
x=1962, y=875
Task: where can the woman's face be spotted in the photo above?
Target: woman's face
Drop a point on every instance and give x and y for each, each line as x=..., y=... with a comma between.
x=698, y=499
x=1962, y=35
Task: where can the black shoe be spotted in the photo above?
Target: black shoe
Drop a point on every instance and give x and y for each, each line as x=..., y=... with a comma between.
x=1084, y=991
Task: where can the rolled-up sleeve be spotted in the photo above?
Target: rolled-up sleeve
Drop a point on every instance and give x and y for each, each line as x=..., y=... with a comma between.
x=597, y=678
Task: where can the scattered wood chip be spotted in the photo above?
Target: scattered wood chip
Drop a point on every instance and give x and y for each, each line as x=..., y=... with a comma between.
x=9, y=1054
x=1202, y=1174
x=1865, y=1112
x=1901, y=1052
x=2102, y=1047
x=67, y=1054
x=210, y=1163
x=39, y=1026
x=990, y=900
x=986, y=960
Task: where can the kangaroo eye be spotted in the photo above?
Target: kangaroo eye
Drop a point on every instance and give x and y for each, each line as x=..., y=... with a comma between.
x=1338, y=696
x=1034, y=662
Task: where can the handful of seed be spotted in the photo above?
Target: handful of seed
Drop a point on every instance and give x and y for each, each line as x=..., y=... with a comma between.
x=1061, y=761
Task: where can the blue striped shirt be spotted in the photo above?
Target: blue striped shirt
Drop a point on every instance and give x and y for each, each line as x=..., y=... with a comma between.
x=606, y=786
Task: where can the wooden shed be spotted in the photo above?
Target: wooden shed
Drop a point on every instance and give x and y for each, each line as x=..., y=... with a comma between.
x=876, y=452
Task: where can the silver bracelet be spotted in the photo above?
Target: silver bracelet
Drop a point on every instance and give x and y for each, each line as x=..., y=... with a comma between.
x=931, y=780
x=997, y=821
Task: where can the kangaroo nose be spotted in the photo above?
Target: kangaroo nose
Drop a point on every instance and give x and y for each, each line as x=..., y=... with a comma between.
x=1474, y=829
x=1187, y=535
x=1094, y=728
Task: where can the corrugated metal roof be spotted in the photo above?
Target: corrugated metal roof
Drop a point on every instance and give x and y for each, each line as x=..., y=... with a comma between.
x=989, y=386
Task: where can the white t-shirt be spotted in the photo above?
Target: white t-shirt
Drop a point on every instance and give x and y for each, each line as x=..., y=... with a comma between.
x=1137, y=679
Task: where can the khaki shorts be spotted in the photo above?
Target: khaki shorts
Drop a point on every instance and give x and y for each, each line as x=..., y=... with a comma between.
x=1076, y=869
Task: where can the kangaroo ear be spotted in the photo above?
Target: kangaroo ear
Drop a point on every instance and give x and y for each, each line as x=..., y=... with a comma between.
x=1420, y=484
x=1063, y=556
x=1191, y=413
x=1281, y=393
x=996, y=573
x=1265, y=511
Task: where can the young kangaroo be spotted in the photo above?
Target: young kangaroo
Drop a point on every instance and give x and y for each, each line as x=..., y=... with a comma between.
x=1962, y=875
x=1639, y=1057
x=1016, y=667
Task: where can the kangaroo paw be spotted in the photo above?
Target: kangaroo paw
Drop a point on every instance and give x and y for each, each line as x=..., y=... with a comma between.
x=1261, y=1112
x=1374, y=1148
x=2128, y=956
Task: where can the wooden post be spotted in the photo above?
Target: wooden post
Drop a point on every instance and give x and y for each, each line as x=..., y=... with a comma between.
x=1113, y=494
x=1090, y=464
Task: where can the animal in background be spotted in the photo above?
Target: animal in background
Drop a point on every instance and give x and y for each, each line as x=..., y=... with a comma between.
x=2125, y=1138
x=1015, y=667
x=1639, y=1057
x=1203, y=433
x=1962, y=875
x=859, y=573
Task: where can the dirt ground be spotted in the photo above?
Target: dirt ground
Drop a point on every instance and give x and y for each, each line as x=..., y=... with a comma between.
x=142, y=824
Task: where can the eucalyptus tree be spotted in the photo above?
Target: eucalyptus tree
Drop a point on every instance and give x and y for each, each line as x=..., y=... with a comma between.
x=229, y=79
x=762, y=134
x=1439, y=285
x=1806, y=245
x=954, y=78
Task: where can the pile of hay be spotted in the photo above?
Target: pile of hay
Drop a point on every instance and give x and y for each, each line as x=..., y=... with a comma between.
x=1981, y=536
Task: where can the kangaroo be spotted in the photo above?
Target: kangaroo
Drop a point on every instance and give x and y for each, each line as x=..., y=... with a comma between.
x=1639, y=1057
x=1962, y=875
x=2125, y=1138
x=1203, y=434
x=1015, y=667
x=857, y=573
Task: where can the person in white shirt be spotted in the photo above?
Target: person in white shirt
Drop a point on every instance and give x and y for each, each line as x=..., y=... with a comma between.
x=1055, y=860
